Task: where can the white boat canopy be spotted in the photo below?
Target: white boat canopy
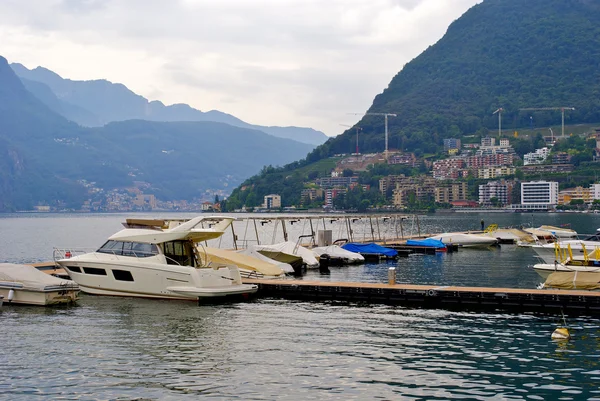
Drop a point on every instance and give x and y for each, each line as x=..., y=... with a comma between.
x=308, y=256
x=336, y=251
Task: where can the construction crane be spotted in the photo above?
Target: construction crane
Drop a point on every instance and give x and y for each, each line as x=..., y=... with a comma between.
x=386, y=115
x=499, y=111
x=562, y=110
x=357, y=129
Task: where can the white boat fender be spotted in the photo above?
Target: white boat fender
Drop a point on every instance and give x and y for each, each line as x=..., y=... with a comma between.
x=11, y=295
x=561, y=333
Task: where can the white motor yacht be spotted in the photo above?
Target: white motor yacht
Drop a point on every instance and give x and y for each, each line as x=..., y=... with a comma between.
x=156, y=259
x=465, y=240
x=548, y=252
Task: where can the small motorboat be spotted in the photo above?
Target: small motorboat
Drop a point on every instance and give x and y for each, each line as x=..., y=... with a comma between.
x=289, y=252
x=431, y=243
x=26, y=285
x=466, y=240
x=249, y=266
x=574, y=280
x=546, y=232
x=550, y=252
x=338, y=256
x=371, y=251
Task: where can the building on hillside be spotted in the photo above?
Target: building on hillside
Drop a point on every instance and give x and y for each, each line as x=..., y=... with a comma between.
x=504, y=143
x=331, y=194
x=310, y=194
x=206, y=206
x=501, y=190
x=537, y=157
x=578, y=193
x=421, y=190
x=561, y=158
x=451, y=144
x=272, y=201
x=451, y=192
x=488, y=141
x=448, y=169
x=493, y=172
x=496, y=159
x=146, y=201
x=332, y=182
x=407, y=159
x=538, y=195
x=547, y=168
x=389, y=182
x=595, y=191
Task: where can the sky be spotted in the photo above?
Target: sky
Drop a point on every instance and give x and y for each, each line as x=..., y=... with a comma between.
x=269, y=62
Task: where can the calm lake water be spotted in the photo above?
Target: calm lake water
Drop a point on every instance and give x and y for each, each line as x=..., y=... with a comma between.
x=124, y=349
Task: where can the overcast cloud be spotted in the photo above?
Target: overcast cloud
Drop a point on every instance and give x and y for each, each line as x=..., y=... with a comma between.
x=285, y=62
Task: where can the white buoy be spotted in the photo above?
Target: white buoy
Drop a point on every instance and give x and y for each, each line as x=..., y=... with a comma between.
x=11, y=295
x=561, y=333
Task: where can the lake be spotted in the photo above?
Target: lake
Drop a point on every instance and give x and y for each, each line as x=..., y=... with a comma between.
x=125, y=349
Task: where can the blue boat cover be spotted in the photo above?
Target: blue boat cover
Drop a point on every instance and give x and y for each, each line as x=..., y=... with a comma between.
x=430, y=243
x=370, y=249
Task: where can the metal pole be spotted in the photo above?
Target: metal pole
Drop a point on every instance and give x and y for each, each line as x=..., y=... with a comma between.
x=563, y=122
x=386, y=137
x=499, y=124
x=234, y=237
x=256, y=231
x=285, y=234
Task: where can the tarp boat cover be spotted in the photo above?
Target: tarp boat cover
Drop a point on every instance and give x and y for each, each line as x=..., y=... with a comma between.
x=251, y=251
x=335, y=251
x=247, y=262
x=28, y=277
x=573, y=280
x=370, y=249
x=429, y=243
x=309, y=257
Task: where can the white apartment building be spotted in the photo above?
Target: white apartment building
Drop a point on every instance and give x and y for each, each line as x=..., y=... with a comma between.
x=595, y=191
x=539, y=193
x=537, y=157
x=494, y=189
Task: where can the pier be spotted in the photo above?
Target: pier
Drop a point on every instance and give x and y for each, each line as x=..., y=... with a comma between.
x=480, y=299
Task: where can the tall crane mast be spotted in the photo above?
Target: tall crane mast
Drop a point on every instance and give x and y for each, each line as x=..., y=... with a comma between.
x=386, y=115
x=357, y=129
x=562, y=110
x=499, y=112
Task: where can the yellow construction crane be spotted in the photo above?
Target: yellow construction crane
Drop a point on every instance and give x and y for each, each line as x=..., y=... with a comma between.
x=562, y=110
x=386, y=115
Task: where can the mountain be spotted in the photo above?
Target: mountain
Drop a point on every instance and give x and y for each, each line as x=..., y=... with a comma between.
x=500, y=53
x=508, y=54
x=44, y=157
x=98, y=102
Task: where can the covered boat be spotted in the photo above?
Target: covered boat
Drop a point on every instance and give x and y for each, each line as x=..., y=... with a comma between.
x=338, y=256
x=24, y=284
x=465, y=239
x=288, y=252
x=428, y=243
x=251, y=251
x=249, y=266
x=371, y=250
x=575, y=280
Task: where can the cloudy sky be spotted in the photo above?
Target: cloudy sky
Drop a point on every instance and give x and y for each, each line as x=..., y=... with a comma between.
x=269, y=62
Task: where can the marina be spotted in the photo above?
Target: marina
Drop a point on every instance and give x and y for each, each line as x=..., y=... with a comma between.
x=471, y=321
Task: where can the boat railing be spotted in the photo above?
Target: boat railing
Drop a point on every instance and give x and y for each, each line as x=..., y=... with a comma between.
x=67, y=253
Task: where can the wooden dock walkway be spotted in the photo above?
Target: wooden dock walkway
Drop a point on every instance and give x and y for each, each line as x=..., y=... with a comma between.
x=483, y=299
x=436, y=297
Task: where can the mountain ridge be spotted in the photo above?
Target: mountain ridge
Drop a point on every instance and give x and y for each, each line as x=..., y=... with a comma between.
x=99, y=97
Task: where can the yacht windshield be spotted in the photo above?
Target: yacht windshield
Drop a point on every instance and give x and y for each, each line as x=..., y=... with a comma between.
x=136, y=249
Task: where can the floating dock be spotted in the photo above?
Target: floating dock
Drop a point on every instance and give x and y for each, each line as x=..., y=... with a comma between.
x=435, y=297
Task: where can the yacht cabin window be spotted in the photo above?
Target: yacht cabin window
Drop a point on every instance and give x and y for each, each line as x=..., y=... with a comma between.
x=179, y=253
x=137, y=249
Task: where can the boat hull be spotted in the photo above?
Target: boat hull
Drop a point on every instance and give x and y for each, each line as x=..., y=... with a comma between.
x=152, y=280
x=545, y=269
x=25, y=296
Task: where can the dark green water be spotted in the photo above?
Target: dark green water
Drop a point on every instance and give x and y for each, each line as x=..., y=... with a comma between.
x=118, y=348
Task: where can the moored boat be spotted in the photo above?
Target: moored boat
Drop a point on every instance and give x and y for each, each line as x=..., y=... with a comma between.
x=26, y=285
x=338, y=256
x=465, y=240
x=289, y=252
x=156, y=259
x=371, y=251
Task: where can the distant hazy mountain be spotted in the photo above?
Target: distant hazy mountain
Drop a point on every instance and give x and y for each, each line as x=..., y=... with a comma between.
x=43, y=155
x=98, y=102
